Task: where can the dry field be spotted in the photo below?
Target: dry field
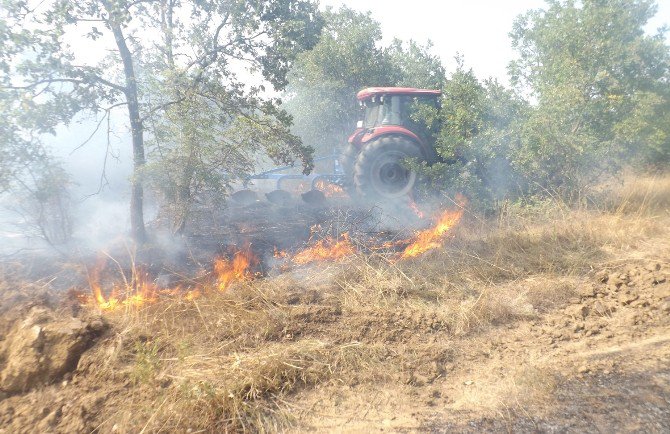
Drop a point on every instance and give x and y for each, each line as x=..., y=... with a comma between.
x=550, y=318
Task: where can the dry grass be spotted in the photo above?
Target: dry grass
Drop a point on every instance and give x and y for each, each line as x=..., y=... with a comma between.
x=231, y=390
x=492, y=273
x=638, y=195
x=229, y=361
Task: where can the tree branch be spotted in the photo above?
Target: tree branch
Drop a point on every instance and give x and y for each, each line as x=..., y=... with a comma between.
x=137, y=2
x=97, y=127
x=67, y=80
x=162, y=107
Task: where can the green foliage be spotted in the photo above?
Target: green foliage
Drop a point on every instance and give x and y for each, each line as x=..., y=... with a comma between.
x=349, y=56
x=463, y=112
x=476, y=138
x=413, y=65
x=147, y=362
x=189, y=163
x=18, y=153
x=33, y=186
x=165, y=55
x=40, y=197
x=600, y=99
x=600, y=85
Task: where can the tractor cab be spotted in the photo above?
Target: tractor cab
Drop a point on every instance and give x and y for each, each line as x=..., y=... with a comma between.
x=394, y=106
x=399, y=111
x=394, y=127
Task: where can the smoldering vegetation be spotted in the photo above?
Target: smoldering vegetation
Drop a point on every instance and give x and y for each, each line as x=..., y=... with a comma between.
x=254, y=356
x=150, y=297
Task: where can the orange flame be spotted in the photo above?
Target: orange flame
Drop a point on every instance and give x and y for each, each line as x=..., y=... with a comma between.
x=328, y=189
x=301, y=187
x=140, y=290
x=192, y=294
x=328, y=249
x=279, y=254
x=416, y=209
x=432, y=238
x=238, y=269
x=94, y=280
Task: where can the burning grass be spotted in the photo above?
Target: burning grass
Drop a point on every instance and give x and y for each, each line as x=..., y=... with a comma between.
x=138, y=289
x=237, y=355
x=328, y=249
x=329, y=189
x=433, y=237
x=238, y=269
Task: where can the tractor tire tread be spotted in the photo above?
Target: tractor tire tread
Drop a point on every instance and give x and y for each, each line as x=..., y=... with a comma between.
x=361, y=178
x=348, y=161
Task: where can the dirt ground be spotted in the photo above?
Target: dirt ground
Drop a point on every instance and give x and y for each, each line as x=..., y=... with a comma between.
x=598, y=363
x=555, y=322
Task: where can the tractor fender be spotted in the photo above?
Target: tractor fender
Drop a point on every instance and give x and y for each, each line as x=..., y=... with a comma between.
x=355, y=138
x=428, y=152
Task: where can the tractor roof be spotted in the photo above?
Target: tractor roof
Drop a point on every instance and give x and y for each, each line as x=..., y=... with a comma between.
x=372, y=91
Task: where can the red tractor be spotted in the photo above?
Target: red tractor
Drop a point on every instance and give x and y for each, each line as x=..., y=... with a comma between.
x=390, y=131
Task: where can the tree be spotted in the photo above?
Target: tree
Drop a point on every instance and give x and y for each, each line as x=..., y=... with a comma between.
x=42, y=201
x=33, y=185
x=600, y=84
x=323, y=83
x=192, y=48
x=413, y=65
x=476, y=137
x=186, y=160
x=18, y=153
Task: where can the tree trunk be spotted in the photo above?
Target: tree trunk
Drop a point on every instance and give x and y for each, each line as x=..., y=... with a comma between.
x=137, y=130
x=184, y=197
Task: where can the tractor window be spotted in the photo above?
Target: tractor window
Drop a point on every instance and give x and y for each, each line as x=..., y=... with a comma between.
x=384, y=110
x=371, y=113
x=405, y=110
x=392, y=109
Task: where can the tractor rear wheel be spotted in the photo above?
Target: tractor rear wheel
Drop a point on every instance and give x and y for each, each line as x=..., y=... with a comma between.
x=347, y=161
x=379, y=172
